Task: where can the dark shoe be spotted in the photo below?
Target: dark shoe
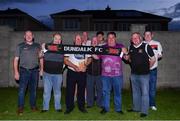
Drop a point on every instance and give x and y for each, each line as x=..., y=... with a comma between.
x=143, y=115
x=120, y=112
x=20, y=111
x=59, y=110
x=68, y=111
x=103, y=111
x=131, y=110
x=34, y=109
x=99, y=106
x=89, y=107
x=83, y=110
x=43, y=111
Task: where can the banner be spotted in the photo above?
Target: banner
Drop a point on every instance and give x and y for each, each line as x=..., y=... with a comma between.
x=76, y=49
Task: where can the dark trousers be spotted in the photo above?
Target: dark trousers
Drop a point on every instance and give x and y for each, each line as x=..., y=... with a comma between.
x=152, y=87
x=94, y=85
x=28, y=78
x=74, y=78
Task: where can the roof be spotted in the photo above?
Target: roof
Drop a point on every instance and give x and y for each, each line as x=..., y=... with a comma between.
x=112, y=14
x=12, y=12
x=17, y=12
x=68, y=12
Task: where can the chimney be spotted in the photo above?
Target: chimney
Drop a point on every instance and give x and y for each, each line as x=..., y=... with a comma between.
x=108, y=8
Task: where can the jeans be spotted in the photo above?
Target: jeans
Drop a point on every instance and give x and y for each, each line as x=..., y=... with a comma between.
x=152, y=87
x=94, y=85
x=52, y=81
x=116, y=82
x=28, y=78
x=140, y=91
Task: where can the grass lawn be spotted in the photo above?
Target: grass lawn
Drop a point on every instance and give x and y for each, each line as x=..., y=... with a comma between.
x=168, y=101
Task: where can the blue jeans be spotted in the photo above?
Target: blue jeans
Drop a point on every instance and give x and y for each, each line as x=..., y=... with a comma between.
x=116, y=83
x=152, y=87
x=27, y=78
x=52, y=81
x=140, y=91
x=94, y=85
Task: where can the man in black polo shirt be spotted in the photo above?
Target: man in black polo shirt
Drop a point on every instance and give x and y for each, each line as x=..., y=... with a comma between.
x=141, y=58
x=26, y=69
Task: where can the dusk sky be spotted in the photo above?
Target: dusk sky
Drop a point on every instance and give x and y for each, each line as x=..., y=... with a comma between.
x=46, y=7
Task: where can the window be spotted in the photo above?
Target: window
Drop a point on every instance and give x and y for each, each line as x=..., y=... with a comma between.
x=8, y=21
x=123, y=27
x=101, y=26
x=71, y=24
x=154, y=27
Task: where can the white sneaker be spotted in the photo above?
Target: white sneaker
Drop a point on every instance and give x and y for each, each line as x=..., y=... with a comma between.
x=153, y=108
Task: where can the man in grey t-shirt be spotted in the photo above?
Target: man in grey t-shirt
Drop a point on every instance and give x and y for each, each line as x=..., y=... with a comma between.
x=27, y=61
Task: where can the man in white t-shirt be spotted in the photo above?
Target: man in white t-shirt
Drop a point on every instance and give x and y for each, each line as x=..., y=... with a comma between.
x=157, y=49
x=76, y=74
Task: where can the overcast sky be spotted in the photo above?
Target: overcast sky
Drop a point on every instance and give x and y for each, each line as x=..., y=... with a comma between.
x=46, y=7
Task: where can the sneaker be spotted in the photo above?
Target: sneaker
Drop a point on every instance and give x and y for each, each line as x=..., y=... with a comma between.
x=143, y=115
x=153, y=108
x=34, y=109
x=103, y=111
x=83, y=110
x=20, y=111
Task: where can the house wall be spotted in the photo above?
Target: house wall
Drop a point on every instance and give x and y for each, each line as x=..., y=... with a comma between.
x=87, y=23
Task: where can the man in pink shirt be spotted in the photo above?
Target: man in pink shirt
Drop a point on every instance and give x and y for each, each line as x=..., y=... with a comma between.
x=112, y=76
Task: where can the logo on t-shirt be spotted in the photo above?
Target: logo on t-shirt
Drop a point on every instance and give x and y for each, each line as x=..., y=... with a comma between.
x=79, y=56
x=140, y=51
x=111, y=66
x=155, y=47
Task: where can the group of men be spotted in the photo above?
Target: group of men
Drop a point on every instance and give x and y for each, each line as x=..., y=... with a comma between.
x=91, y=78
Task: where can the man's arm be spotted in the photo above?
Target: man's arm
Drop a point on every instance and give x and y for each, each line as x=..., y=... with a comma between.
x=70, y=64
x=160, y=51
x=89, y=60
x=126, y=55
x=95, y=56
x=41, y=66
x=152, y=60
x=41, y=60
x=15, y=68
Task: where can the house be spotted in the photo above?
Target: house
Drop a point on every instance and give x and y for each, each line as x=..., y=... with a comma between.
x=107, y=20
x=20, y=20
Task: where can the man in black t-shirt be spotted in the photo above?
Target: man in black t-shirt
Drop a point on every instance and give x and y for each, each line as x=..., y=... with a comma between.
x=52, y=75
x=141, y=58
x=94, y=83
